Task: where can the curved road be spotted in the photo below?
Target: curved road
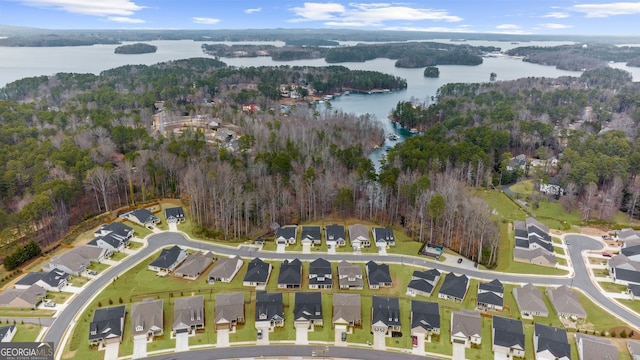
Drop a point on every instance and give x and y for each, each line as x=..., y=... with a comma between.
x=578, y=243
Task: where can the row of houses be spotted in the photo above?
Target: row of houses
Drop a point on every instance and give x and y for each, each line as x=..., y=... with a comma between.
x=335, y=236
x=624, y=268
x=533, y=243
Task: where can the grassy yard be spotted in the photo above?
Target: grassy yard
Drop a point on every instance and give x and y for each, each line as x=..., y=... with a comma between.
x=78, y=281
x=611, y=287
x=523, y=187
x=506, y=208
x=58, y=297
x=135, y=245
x=558, y=250
x=600, y=272
x=119, y=256
x=24, y=312
x=98, y=267
x=26, y=333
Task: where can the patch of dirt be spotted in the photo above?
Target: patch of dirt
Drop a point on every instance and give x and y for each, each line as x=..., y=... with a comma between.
x=69, y=354
x=593, y=231
x=631, y=334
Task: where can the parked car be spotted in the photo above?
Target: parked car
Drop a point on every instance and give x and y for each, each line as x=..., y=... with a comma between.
x=259, y=334
x=606, y=255
x=50, y=304
x=344, y=336
x=460, y=261
x=414, y=340
x=91, y=272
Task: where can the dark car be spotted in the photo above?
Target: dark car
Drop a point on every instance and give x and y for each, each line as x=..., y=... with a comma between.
x=414, y=340
x=259, y=334
x=460, y=261
x=344, y=336
x=606, y=255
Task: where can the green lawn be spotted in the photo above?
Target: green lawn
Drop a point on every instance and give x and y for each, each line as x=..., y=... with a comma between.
x=119, y=256
x=558, y=250
x=506, y=208
x=98, y=267
x=58, y=297
x=611, y=287
x=524, y=187
x=553, y=214
x=26, y=333
x=135, y=245
x=24, y=312
x=78, y=281
x=600, y=272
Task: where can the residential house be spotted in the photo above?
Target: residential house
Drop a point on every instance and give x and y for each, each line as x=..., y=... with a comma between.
x=634, y=291
x=466, y=328
x=320, y=274
x=168, y=260
x=194, y=265
x=423, y=282
x=347, y=311
x=174, y=215
x=335, y=235
x=307, y=311
x=109, y=242
x=490, y=295
x=188, y=314
x=551, y=187
x=286, y=235
x=147, y=318
x=269, y=310
x=425, y=318
x=627, y=234
x=7, y=333
x=533, y=243
x=378, y=275
x=143, y=217
x=634, y=349
x=530, y=301
x=117, y=229
x=454, y=287
x=623, y=270
x=350, y=276
x=550, y=343
x=383, y=237
x=290, y=276
x=517, y=162
x=53, y=280
x=229, y=310
x=595, y=348
x=311, y=235
x=76, y=260
x=508, y=337
x=631, y=249
x=28, y=298
x=225, y=270
x=359, y=236
x=566, y=302
x=258, y=273
x=107, y=325
x=385, y=315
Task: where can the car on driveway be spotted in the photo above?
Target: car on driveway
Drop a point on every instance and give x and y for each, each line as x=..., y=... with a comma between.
x=49, y=304
x=460, y=261
x=414, y=341
x=259, y=334
x=344, y=336
x=91, y=272
x=606, y=255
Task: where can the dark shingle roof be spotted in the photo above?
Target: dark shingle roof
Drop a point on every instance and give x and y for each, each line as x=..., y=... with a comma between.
x=311, y=232
x=109, y=239
x=628, y=275
x=378, y=273
x=493, y=286
x=269, y=304
x=508, y=332
x=107, y=322
x=386, y=310
x=455, y=286
x=335, y=232
x=174, y=212
x=631, y=250
x=167, y=257
x=420, y=285
x=144, y=215
x=553, y=339
x=117, y=228
x=383, y=234
x=490, y=298
x=290, y=272
x=257, y=271
x=425, y=315
x=31, y=278
x=320, y=267
x=287, y=232
x=308, y=306
x=429, y=275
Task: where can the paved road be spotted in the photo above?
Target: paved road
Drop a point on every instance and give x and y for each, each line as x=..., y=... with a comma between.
x=157, y=241
x=274, y=351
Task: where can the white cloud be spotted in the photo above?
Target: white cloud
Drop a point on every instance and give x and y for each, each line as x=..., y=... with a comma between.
x=117, y=8
x=126, y=20
x=609, y=9
x=372, y=14
x=555, y=26
x=508, y=27
x=205, y=20
x=556, y=15
x=254, y=10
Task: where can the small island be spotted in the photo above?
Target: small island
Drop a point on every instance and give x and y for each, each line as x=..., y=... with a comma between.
x=432, y=72
x=137, y=48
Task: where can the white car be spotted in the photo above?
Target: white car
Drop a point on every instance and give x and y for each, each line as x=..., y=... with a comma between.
x=49, y=304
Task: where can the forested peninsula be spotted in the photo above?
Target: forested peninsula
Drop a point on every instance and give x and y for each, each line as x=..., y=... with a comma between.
x=579, y=57
x=137, y=48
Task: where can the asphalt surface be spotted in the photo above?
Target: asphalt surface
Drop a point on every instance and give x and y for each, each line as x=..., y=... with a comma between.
x=578, y=243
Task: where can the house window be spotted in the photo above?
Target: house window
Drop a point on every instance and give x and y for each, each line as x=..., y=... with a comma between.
x=139, y=328
x=263, y=316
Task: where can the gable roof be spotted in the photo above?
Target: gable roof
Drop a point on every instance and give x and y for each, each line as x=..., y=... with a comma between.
x=116, y=228
x=229, y=307
x=347, y=307
x=107, y=323
x=144, y=216
x=287, y=232
x=358, y=231
x=290, y=272
x=257, y=271
x=225, y=267
x=30, y=296
x=630, y=250
x=565, y=300
x=311, y=233
x=54, y=277
x=334, y=232
x=621, y=261
x=493, y=286
x=30, y=278
x=385, y=310
x=595, y=348
x=529, y=299
x=466, y=322
x=454, y=285
x=174, y=213
x=348, y=269
x=490, y=298
x=269, y=304
x=378, y=273
x=429, y=275
x=383, y=234
x=195, y=263
x=148, y=314
x=4, y=330
x=552, y=339
x=320, y=267
x=531, y=255
x=420, y=285
x=308, y=306
x=632, y=276
x=634, y=348
x=188, y=311
x=628, y=234
x=508, y=332
x=109, y=239
x=167, y=257
x=425, y=315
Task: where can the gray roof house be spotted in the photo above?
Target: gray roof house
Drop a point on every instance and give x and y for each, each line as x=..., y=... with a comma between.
x=533, y=243
x=425, y=317
x=385, y=314
x=335, y=234
x=634, y=349
x=490, y=295
x=307, y=310
x=508, y=337
x=269, y=310
x=320, y=274
x=194, y=265
x=76, y=260
x=107, y=325
x=359, y=236
x=7, y=333
x=168, y=259
x=530, y=301
x=627, y=235
x=623, y=270
x=566, y=302
x=22, y=298
x=258, y=273
x=143, y=217
x=350, y=276
x=290, y=276
x=454, y=287
x=383, y=237
x=53, y=280
x=311, y=235
x=466, y=328
x=378, y=275
x=147, y=318
x=188, y=314
x=225, y=270
x=423, y=282
x=550, y=343
x=595, y=348
x=286, y=235
x=174, y=215
x=347, y=310
x=116, y=229
x=229, y=310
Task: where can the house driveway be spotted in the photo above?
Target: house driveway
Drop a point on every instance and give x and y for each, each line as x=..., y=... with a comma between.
x=379, y=341
x=182, y=341
x=338, y=335
x=265, y=337
x=280, y=248
x=139, y=347
x=498, y=355
x=382, y=250
x=458, y=352
x=223, y=338
x=111, y=351
x=331, y=248
x=418, y=350
x=302, y=334
x=306, y=248
x=173, y=226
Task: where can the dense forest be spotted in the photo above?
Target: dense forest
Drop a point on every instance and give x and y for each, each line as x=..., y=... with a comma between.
x=579, y=57
x=283, y=53
x=137, y=48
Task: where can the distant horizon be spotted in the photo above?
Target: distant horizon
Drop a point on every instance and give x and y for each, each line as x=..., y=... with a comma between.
x=542, y=17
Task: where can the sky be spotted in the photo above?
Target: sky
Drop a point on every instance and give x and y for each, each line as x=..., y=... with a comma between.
x=581, y=17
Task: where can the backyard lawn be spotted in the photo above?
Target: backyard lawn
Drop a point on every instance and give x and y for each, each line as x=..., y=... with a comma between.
x=26, y=333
